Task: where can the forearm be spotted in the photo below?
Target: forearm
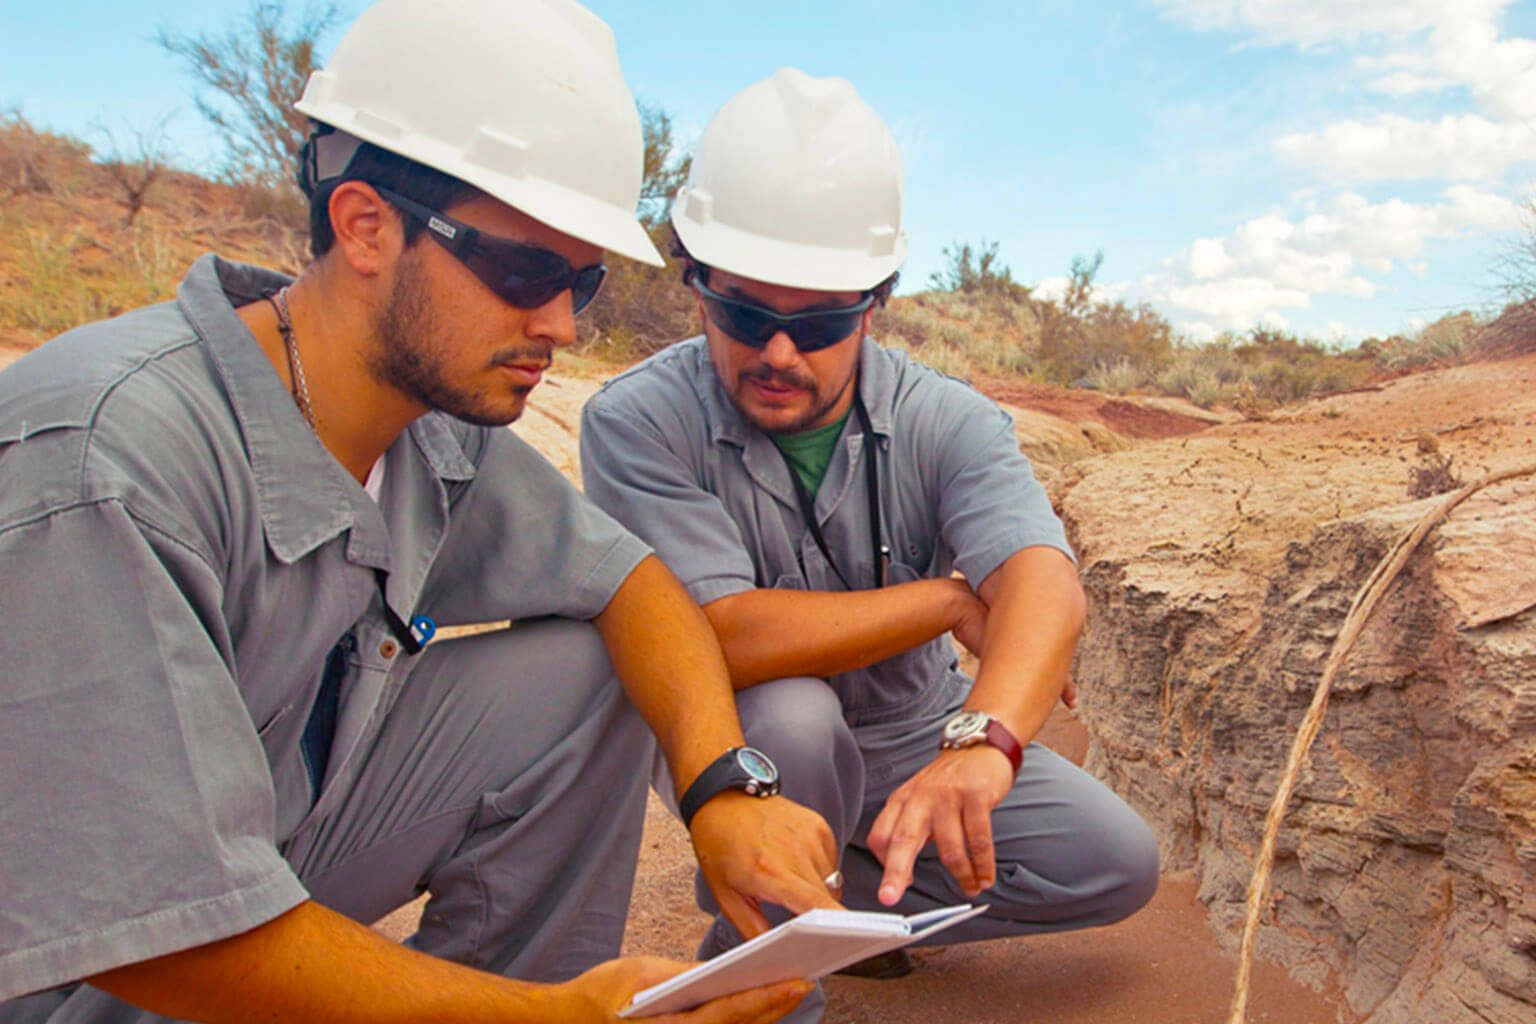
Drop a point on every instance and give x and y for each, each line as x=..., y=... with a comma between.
x=1035, y=614
x=671, y=667
x=771, y=634
x=315, y=964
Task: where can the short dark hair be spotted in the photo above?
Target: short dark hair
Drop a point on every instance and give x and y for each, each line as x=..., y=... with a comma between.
x=380, y=167
x=693, y=268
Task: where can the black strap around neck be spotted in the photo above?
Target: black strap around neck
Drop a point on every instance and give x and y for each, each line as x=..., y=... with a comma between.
x=882, y=551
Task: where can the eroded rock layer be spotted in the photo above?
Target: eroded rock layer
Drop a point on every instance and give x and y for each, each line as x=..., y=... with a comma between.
x=1220, y=569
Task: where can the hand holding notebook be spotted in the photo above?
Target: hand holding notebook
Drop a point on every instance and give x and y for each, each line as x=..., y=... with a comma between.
x=814, y=944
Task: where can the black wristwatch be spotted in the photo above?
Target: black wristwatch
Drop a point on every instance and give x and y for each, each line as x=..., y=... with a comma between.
x=745, y=768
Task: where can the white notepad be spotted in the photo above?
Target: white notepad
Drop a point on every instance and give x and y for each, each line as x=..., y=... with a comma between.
x=814, y=944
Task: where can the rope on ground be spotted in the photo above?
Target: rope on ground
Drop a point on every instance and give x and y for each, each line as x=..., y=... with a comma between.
x=1365, y=603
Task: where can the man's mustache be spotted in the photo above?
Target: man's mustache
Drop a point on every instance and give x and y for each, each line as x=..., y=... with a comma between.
x=779, y=378
x=525, y=354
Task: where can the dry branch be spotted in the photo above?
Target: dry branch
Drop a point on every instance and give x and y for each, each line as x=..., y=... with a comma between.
x=1365, y=603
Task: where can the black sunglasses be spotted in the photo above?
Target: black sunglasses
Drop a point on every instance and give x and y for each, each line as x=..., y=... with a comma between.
x=527, y=276
x=750, y=324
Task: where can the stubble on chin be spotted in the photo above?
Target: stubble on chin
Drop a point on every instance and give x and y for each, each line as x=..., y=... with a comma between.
x=816, y=408
x=412, y=354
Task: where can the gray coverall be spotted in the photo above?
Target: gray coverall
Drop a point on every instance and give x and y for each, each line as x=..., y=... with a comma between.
x=180, y=556
x=664, y=449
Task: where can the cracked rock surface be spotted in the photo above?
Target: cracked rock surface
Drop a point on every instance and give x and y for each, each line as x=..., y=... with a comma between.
x=1220, y=568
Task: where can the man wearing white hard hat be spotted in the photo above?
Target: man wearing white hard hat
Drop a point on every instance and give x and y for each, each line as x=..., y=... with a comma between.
x=230, y=526
x=816, y=493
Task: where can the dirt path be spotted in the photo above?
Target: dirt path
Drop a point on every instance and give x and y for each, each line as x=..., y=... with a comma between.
x=1141, y=418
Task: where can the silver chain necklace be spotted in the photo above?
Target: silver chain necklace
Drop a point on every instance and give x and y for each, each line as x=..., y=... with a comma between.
x=300, y=390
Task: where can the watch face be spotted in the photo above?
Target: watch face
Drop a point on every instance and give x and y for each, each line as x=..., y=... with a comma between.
x=756, y=764
x=967, y=723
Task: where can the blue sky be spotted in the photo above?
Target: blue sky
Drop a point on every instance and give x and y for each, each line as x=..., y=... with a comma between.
x=1340, y=169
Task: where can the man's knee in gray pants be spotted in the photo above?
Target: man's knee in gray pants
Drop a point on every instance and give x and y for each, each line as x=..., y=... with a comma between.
x=798, y=723
x=1070, y=854
x=509, y=783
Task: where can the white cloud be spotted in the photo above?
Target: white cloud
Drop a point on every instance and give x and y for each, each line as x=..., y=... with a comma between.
x=1281, y=264
x=1197, y=330
x=1273, y=263
x=1050, y=288
x=1208, y=258
x=1459, y=148
x=1499, y=73
x=1310, y=23
x=1408, y=83
x=1238, y=302
x=1415, y=47
x=1054, y=288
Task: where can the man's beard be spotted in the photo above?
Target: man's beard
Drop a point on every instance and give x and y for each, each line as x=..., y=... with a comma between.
x=413, y=352
x=818, y=407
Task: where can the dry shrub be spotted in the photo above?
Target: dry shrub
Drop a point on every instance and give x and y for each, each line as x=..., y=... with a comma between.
x=1512, y=332
x=1117, y=378
x=641, y=310
x=1434, y=474
x=1446, y=342
x=39, y=162
x=1074, y=346
x=55, y=289
x=955, y=334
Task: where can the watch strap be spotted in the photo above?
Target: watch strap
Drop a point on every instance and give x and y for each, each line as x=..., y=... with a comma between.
x=993, y=733
x=724, y=772
x=997, y=734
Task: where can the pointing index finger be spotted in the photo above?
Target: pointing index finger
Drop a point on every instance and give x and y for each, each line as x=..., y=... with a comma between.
x=907, y=838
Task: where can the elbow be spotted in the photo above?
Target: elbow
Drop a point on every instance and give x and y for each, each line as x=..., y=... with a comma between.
x=733, y=634
x=1076, y=607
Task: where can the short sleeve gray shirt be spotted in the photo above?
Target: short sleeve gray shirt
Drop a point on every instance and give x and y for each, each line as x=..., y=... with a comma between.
x=179, y=554
x=664, y=449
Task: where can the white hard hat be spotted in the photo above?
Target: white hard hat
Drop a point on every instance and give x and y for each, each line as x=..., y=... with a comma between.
x=796, y=182
x=522, y=99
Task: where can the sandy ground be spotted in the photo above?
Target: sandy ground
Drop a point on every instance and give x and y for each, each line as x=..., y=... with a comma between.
x=1162, y=966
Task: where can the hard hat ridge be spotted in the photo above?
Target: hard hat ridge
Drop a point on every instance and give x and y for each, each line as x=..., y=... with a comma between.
x=796, y=181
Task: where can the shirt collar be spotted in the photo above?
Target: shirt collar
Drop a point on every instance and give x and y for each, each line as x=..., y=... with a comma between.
x=441, y=448
x=304, y=496
x=877, y=386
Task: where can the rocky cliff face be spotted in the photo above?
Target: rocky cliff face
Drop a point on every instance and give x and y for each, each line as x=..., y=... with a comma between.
x=1220, y=568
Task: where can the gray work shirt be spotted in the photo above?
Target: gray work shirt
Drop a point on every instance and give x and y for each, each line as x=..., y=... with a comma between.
x=664, y=449
x=179, y=554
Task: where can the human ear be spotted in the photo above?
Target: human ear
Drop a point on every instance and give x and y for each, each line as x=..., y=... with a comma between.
x=369, y=233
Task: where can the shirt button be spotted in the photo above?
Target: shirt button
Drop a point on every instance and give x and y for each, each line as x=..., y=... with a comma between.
x=388, y=648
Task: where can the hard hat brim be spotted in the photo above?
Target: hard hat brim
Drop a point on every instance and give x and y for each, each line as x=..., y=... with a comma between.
x=580, y=216
x=794, y=265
